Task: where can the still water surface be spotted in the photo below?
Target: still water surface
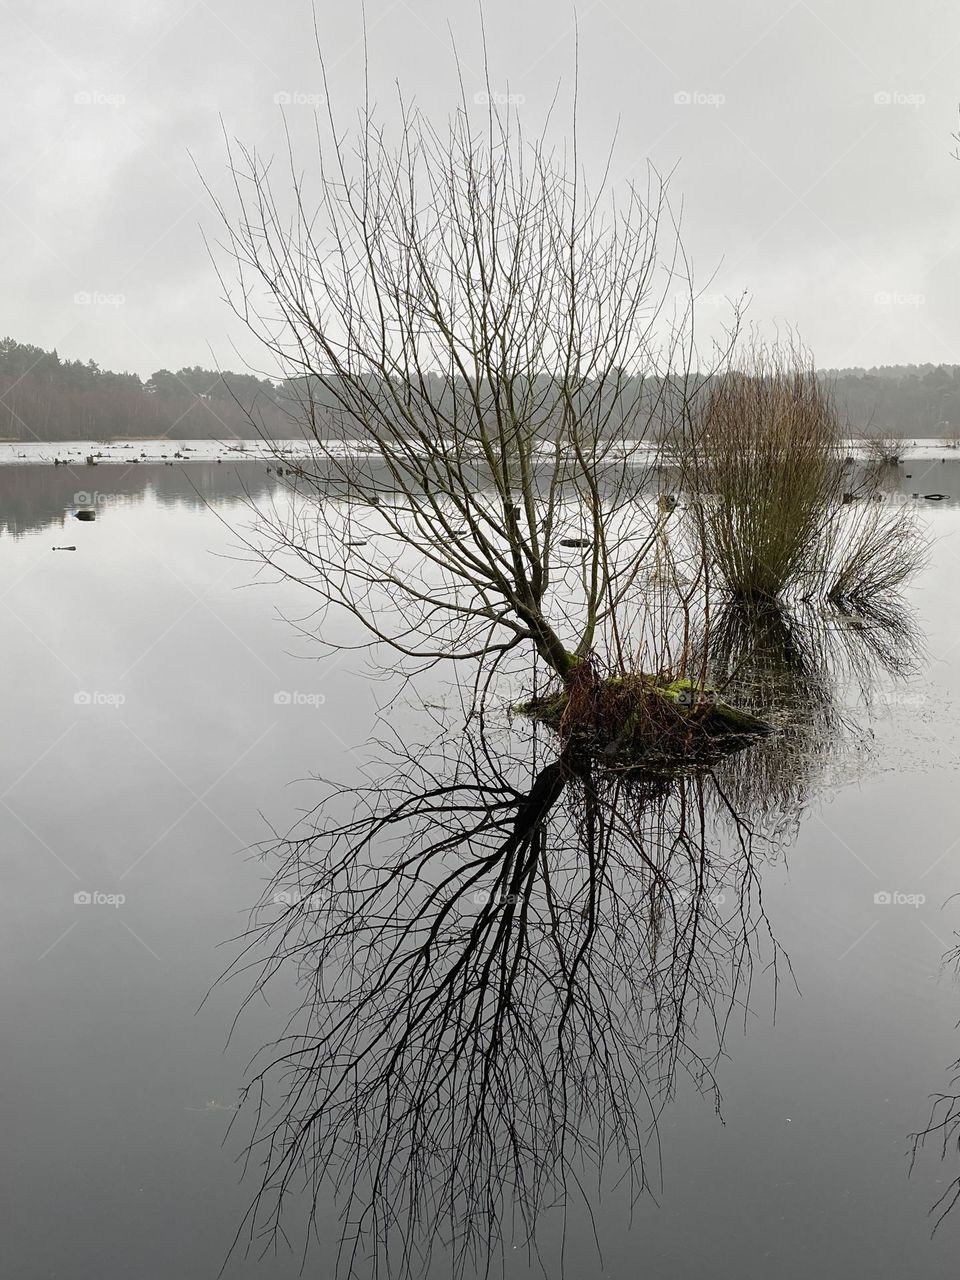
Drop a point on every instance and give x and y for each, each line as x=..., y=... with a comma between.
x=161, y=715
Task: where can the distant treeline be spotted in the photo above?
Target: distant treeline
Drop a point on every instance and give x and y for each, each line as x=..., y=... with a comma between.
x=912, y=400
x=43, y=397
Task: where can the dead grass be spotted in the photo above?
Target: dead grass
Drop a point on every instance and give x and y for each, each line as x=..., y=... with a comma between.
x=873, y=554
x=769, y=473
x=774, y=514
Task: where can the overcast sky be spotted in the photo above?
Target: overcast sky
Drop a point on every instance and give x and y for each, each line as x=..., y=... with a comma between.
x=812, y=147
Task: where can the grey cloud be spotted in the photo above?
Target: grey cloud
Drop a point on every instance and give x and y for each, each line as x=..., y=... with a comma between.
x=812, y=147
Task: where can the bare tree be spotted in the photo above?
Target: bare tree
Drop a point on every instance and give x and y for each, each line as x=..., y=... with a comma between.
x=484, y=350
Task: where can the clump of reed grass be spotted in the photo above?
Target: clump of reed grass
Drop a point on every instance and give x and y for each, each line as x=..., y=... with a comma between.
x=872, y=554
x=773, y=510
x=767, y=471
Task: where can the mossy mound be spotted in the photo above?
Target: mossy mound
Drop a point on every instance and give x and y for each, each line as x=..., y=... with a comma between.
x=646, y=721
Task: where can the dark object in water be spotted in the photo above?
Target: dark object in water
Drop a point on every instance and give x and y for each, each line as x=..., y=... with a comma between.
x=575, y=542
x=85, y=513
x=360, y=542
x=908, y=475
x=63, y=548
x=847, y=498
x=935, y=497
x=667, y=502
x=91, y=460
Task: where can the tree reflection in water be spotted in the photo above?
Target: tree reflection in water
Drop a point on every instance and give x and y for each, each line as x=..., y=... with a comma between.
x=509, y=957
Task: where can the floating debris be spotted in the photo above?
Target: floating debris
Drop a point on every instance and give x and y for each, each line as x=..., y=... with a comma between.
x=85, y=513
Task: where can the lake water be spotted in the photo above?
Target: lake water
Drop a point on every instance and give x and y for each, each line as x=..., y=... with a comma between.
x=163, y=713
